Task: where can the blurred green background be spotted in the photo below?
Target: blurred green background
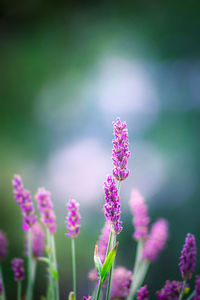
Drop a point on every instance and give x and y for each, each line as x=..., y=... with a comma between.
x=67, y=70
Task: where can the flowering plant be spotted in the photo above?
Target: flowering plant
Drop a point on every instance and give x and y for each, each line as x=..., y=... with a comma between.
x=111, y=282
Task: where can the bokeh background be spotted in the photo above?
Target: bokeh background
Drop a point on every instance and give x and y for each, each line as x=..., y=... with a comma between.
x=67, y=70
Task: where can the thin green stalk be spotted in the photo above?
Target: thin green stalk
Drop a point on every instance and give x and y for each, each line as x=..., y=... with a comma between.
x=181, y=294
x=3, y=296
x=34, y=266
x=140, y=278
x=30, y=284
x=191, y=296
x=19, y=290
x=74, y=266
x=55, y=264
x=140, y=246
x=111, y=271
x=109, y=242
x=98, y=291
x=50, y=290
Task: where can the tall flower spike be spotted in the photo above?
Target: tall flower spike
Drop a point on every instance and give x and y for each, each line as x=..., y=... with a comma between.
x=3, y=246
x=140, y=215
x=143, y=293
x=156, y=240
x=38, y=243
x=73, y=218
x=171, y=290
x=24, y=200
x=121, y=284
x=120, y=152
x=197, y=288
x=18, y=268
x=45, y=207
x=112, y=206
x=188, y=257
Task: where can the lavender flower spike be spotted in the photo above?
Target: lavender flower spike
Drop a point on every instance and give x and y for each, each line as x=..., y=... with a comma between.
x=112, y=206
x=38, y=243
x=45, y=207
x=197, y=288
x=171, y=291
x=73, y=218
x=140, y=215
x=18, y=268
x=156, y=240
x=122, y=279
x=3, y=246
x=143, y=293
x=23, y=198
x=188, y=257
x=120, y=153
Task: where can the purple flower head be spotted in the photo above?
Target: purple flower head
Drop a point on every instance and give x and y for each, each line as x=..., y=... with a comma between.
x=112, y=206
x=24, y=200
x=45, y=207
x=140, y=215
x=188, y=257
x=170, y=291
x=38, y=243
x=143, y=293
x=1, y=286
x=18, y=268
x=156, y=240
x=3, y=246
x=120, y=152
x=73, y=218
x=197, y=289
x=122, y=279
x=87, y=298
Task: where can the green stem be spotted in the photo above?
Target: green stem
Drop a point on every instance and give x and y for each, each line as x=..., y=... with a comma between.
x=30, y=284
x=140, y=246
x=19, y=290
x=3, y=296
x=98, y=290
x=55, y=264
x=74, y=266
x=111, y=271
x=140, y=278
x=181, y=294
x=34, y=266
x=50, y=290
x=109, y=242
x=191, y=296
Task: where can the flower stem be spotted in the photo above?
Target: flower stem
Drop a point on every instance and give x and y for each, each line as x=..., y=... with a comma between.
x=140, y=277
x=182, y=290
x=50, y=291
x=111, y=271
x=74, y=266
x=191, y=296
x=140, y=246
x=19, y=290
x=30, y=284
x=3, y=296
x=98, y=290
x=55, y=264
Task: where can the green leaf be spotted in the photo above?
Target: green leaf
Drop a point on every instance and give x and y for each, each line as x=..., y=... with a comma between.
x=54, y=274
x=71, y=296
x=108, y=263
x=97, y=261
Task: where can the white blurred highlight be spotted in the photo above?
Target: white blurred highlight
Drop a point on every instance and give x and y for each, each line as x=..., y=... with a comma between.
x=79, y=170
